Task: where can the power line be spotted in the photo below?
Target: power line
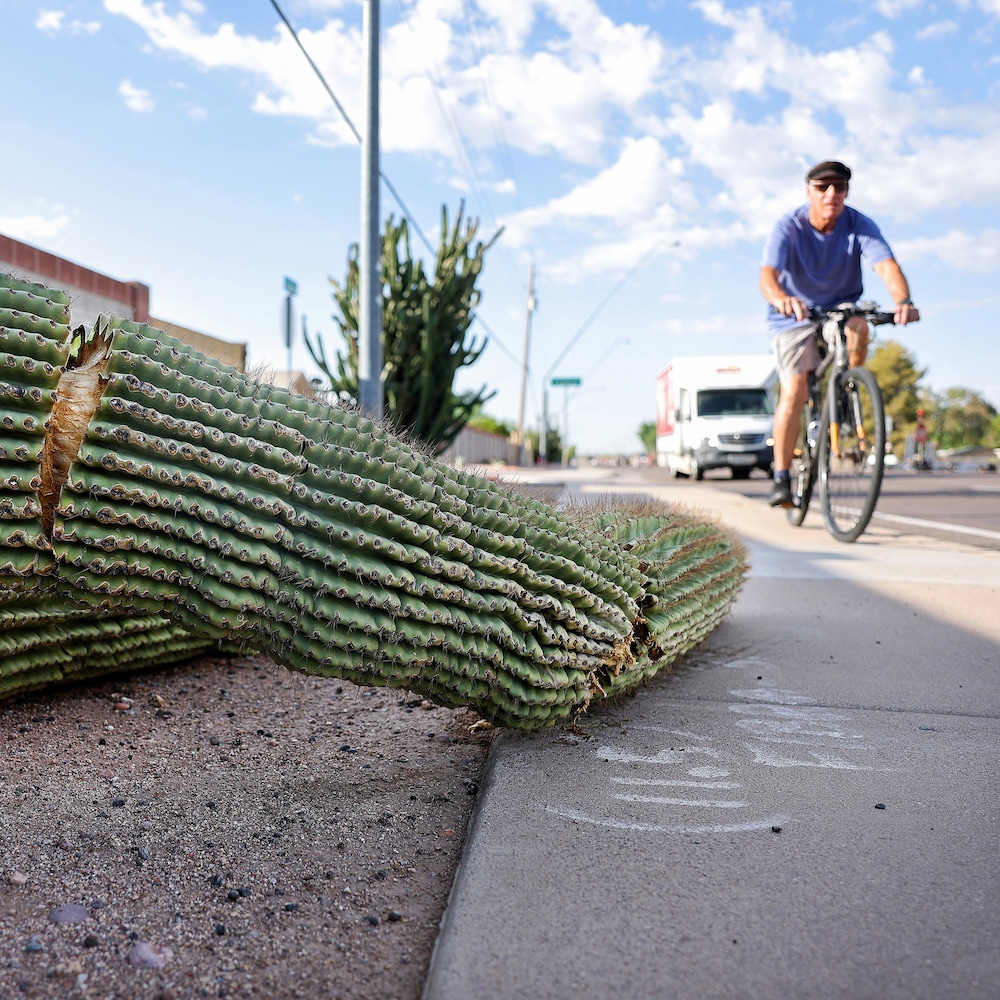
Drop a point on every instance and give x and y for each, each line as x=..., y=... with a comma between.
x=347, y=118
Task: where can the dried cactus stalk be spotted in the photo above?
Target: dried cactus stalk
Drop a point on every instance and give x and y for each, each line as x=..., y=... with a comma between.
x=155, y=503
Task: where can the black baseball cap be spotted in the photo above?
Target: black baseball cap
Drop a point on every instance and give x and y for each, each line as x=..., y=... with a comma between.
x=829, y=168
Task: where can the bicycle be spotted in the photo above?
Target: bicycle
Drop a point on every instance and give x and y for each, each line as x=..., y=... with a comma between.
x=842, y=438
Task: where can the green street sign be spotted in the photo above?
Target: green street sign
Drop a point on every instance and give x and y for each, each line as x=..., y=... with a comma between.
x=291, y=287
x=567, y=381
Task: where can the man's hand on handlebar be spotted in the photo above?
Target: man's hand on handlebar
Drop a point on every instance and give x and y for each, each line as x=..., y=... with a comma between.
x=906, y=312
x=789, y=305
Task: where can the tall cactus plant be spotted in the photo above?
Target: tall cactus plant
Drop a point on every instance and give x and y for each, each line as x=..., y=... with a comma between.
x=425, y=321
x=155, y=503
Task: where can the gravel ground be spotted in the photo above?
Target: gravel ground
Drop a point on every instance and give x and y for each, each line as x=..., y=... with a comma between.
x=228, y=829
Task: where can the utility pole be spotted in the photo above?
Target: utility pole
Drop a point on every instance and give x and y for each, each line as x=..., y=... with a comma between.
x=524, y=366
x=370, y=388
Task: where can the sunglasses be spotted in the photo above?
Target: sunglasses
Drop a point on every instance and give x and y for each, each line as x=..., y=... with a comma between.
x=839, y=186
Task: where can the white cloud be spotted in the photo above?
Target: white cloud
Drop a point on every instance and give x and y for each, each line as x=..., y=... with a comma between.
x=136, y=99
x=558, y=98
x=940, y=29
x=51, y=22
x=709, y=143
x=966, y=251
x=34, y=227
x=625, y=192
x=893, y=8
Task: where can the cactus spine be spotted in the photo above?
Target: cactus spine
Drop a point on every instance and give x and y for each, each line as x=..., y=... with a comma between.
x=154, y=503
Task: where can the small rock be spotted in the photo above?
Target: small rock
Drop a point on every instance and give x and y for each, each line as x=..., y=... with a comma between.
x=879, y=805
x=149, y=956
x=291, y=907
x=395, y=916
x=220, y=929
x=118, y=803
x=34, y=945
x=18, y=879
x=91, y=941
x=373, y=919
x=71, y=913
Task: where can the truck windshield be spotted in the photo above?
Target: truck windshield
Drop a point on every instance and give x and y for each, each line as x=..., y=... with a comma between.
x=733, y=403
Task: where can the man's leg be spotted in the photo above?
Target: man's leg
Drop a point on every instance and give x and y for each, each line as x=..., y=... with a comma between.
x=857, y=341
x=787, y=419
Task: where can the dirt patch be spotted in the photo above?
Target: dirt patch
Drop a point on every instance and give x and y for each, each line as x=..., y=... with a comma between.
x=228, y=829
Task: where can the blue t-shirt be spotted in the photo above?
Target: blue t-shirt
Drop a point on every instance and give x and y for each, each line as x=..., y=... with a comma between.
x=821, y=269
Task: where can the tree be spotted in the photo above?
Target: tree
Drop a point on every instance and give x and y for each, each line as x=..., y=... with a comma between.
x=647, y=435
x=424, y=327
x=898, y=376
x=961, y=418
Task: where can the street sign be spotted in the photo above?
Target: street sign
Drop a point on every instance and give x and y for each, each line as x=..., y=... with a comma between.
x=567, y=381
x=291, y=287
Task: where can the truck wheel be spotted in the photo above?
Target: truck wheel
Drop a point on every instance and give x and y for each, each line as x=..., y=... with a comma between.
x=697, y=472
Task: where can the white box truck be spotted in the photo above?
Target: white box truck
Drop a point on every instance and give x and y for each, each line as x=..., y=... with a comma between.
x=716, y=413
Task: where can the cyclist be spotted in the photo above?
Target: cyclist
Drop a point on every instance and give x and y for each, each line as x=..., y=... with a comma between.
x=813, y=259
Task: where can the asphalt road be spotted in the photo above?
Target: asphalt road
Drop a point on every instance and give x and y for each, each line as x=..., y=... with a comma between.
x=964, y=505
x=806, y=808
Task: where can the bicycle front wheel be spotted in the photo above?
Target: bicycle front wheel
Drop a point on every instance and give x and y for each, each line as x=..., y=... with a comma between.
x=851, y=452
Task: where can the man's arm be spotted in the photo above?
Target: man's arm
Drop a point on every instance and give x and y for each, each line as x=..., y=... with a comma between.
x=787, y=305
x=895, y=281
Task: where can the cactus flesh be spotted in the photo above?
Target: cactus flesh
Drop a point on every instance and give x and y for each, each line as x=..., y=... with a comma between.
x=155, y=503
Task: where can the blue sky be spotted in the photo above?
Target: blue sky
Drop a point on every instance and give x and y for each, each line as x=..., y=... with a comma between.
x=637, y=152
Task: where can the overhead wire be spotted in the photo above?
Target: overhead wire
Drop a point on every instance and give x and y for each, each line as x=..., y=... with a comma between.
x=350, y=124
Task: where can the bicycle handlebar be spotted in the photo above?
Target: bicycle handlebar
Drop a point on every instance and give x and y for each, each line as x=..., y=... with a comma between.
x=869, y=310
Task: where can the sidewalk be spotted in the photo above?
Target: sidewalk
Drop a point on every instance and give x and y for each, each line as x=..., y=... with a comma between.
x=807, y=808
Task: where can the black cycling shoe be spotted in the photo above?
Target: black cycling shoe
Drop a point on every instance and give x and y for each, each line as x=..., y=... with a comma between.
x=781, y=495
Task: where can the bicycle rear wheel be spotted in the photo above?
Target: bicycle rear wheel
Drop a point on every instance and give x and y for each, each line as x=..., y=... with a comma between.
x=851, y=452
x=803, y=475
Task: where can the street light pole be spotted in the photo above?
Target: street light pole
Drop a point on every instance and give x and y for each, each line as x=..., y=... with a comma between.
x=370, y=389
x=524, y=366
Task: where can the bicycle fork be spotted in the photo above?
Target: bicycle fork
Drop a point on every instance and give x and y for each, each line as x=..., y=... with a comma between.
x=847, y=408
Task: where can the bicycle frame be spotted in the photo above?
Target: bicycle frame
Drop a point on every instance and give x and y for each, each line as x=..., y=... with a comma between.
x=835, y=446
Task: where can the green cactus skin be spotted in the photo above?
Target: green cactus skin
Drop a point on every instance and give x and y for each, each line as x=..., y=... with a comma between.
x=170, y=505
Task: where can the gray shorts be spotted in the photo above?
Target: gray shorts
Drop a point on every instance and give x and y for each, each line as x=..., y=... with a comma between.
x=799, y=350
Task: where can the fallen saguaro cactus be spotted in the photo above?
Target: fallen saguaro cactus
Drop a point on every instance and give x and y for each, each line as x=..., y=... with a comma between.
x=155, y=504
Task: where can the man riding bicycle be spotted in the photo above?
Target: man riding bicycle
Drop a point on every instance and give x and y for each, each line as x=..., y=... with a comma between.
x=813, y=259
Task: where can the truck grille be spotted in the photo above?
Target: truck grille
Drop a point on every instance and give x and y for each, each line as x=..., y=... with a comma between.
x=742, y=440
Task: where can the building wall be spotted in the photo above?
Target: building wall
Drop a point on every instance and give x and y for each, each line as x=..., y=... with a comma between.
x=92, y=293
x=476, y=447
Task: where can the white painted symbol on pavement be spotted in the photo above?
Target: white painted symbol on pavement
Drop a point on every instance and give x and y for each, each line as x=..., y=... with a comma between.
x=779, y=728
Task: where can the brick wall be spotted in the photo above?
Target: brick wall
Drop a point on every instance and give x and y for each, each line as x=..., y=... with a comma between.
x=57, y=272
